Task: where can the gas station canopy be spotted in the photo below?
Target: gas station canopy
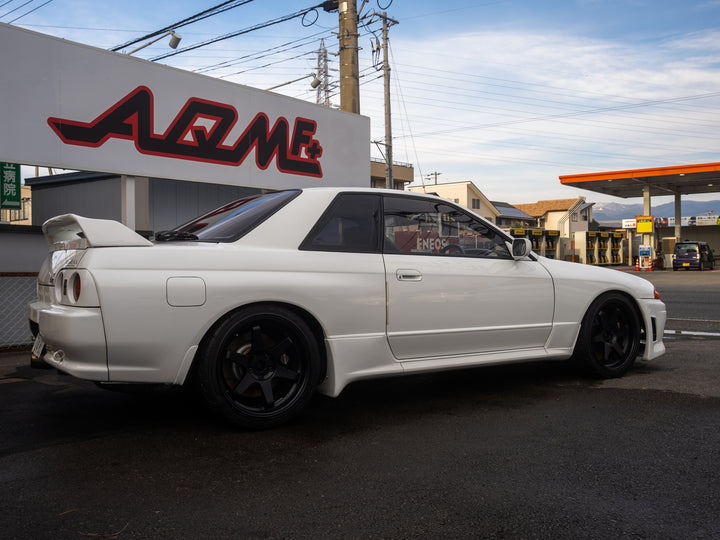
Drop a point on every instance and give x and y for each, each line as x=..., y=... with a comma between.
x=677, y=180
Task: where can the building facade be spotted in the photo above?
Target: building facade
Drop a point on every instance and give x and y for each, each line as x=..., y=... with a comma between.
x=565, y=215
x=465, y=194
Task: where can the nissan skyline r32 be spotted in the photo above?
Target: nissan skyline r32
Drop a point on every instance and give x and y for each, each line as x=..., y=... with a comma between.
x=272, y=297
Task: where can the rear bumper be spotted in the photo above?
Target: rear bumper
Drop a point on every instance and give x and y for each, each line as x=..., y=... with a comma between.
x=74, y=339
x=686, y=264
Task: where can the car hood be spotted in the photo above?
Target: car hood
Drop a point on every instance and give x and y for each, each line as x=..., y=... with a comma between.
x=603, y=278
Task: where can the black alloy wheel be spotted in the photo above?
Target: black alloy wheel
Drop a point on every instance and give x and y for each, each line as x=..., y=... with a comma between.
x=609, y=337
x=260, y=367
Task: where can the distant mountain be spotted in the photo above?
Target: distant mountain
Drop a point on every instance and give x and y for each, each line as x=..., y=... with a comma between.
x=617, y=211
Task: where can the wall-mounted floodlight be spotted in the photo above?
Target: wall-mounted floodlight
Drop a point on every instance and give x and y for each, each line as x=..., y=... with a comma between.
x=174, y=41
x=314, y=84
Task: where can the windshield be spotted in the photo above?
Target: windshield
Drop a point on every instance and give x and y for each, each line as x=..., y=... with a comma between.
x=232, y=221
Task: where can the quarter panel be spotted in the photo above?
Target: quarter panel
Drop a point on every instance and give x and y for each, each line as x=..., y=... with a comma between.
x=148, y=338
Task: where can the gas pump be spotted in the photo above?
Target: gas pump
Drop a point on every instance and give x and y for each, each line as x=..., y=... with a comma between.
x=536, y=237
x=551, y=240
x=590, y=248
x=615, y=244
x=603, y=247
x=645, y=254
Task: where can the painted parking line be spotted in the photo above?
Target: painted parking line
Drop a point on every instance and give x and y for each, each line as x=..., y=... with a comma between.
x=694, y=320
x=671, y=333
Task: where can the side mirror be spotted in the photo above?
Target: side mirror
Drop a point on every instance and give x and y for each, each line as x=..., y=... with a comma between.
x=520, y=248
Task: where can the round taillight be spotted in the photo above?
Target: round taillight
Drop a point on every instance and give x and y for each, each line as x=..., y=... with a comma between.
x=76, y=287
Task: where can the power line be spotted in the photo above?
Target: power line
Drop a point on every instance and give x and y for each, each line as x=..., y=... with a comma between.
x=215, y=10
x=29, y=12
x=262, y=54
x=15, y=9
x=239, y=32
x=267, y=65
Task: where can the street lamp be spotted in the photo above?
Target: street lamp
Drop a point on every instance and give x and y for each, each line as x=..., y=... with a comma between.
x=174, y=41
x=313, y=84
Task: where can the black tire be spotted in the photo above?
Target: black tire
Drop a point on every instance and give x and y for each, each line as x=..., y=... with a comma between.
x=260, y=367
x=609, y=338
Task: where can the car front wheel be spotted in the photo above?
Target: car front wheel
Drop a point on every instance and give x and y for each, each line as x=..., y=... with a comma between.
x=609, y=338
x=260, y=367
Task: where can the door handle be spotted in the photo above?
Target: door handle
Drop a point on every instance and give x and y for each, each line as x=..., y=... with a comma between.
x=408, y=275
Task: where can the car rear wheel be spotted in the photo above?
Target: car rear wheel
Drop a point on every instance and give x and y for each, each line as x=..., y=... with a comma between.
x=609, y=338
x=260, y=367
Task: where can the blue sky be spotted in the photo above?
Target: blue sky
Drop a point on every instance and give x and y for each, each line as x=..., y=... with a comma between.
x=509, y=94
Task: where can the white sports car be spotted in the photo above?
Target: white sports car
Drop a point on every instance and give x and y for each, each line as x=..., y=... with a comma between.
x=275, y=296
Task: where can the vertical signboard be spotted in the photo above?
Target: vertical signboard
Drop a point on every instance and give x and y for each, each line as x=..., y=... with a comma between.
x=644, y=224
x=10, y=186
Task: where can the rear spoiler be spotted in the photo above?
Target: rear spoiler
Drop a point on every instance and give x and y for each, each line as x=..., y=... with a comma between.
x=70, y=231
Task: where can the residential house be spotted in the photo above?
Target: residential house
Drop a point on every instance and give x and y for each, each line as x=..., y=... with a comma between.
x=565, y=215
x=511, y=217
x=465, y=194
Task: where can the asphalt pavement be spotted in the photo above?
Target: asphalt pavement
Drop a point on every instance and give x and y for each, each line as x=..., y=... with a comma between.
x=524, y=451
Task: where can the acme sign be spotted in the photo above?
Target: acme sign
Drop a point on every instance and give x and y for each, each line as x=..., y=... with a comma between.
x=199, y=132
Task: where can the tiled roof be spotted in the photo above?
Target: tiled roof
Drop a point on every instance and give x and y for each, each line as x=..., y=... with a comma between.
x=541, y=208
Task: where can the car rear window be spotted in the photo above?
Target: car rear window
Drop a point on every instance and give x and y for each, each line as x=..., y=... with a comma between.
x=231, y=221
x=681, y=249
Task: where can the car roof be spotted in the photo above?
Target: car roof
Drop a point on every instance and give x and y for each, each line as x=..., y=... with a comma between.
x=340, y=189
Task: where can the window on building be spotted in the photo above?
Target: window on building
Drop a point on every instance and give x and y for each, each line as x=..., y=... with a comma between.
x=476, y=204
x=574, y=217
x=19, y=214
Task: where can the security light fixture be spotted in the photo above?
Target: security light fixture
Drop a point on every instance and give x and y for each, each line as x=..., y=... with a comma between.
x=314, y=84
x=174, y=41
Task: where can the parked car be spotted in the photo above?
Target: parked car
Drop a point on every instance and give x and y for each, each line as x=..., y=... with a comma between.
x=691, y=254
x=272, y=297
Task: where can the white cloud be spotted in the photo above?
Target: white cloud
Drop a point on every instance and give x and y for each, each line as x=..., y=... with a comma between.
x=513, y=111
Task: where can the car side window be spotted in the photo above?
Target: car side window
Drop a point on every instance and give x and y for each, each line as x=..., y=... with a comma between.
x=350, y=224
x=426, y=227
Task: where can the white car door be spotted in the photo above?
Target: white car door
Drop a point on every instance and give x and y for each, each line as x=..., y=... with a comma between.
x=453, y=287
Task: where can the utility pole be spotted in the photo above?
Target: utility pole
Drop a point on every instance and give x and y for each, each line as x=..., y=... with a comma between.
x=323, y=90
x=389, y=184
x=387, y=22
x=435, y=174
x=349, y=72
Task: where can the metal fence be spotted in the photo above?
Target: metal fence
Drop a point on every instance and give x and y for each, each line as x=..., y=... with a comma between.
x=17, y=290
